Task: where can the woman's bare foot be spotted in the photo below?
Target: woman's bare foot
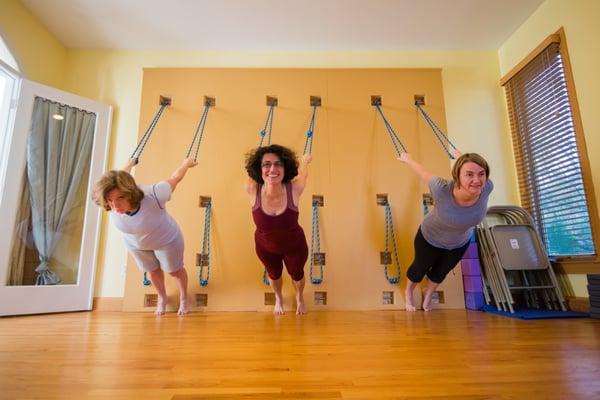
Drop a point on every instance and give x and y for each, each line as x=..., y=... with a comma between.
x=409, y=301
x=184, y=306
x=300, y=308
x=426, y=306
x=427, y=301
x=278, y=310
x=428, y=295
x=161, y=307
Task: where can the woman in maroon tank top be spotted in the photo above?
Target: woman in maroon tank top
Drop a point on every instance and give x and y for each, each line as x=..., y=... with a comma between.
x=276, y=179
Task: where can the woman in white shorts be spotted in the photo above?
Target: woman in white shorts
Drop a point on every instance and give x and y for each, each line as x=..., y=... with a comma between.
x=151, y=234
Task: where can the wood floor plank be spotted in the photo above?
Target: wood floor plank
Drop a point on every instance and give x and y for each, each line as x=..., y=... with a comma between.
x=383, y=355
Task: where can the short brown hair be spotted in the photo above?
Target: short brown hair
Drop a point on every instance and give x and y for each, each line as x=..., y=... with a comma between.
x=465, y=158
x=117, y=179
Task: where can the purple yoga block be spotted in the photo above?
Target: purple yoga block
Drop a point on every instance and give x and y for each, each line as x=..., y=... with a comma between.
x=474, y=301
x=472, y=251
x=470, y=266
x=472, y=283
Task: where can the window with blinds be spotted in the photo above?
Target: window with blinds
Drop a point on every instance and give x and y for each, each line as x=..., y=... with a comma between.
x=549, y=153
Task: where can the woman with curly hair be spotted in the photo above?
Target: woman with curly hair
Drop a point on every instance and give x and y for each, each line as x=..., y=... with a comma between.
x=276, y=179
x=151, y=235
x=444, y=235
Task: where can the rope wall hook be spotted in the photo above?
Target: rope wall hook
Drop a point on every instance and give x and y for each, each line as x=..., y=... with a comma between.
x=395, y=139
x=200, y=128
x=439, y=134
x=137, y=152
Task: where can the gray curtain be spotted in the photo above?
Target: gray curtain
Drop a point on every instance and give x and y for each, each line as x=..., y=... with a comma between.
x=58, y=160
x=23, y=238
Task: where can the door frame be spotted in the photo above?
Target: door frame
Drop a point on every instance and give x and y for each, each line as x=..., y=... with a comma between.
x=21, y=300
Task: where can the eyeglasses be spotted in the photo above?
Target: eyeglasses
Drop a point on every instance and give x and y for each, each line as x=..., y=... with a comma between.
x=268, y=165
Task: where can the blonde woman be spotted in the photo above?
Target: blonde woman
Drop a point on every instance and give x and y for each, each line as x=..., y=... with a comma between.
x=151, y=235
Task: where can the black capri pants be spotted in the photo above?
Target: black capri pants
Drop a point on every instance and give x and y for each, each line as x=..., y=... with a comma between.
x=433, y=261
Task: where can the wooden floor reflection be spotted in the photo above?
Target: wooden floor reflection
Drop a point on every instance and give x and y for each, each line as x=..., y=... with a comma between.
x=444, y=354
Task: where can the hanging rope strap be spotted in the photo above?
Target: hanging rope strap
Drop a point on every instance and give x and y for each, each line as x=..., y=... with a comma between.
x=265, y=278
x=199, y=128
x=311, y=130
x=389, y=233
x=395, y=139
x=441, y=137
x=137, y=152
x=205, y=247
x=268, y=124
x=263, y=132
x=315, y=231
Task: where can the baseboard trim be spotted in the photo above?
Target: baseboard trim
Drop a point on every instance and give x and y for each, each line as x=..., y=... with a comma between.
x=107, y=304
x=578, y=304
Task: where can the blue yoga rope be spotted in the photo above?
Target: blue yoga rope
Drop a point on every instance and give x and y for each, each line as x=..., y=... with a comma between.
x=311, y=130
x=315, y=229
x=200, y=128
x=265, y=279
x=268, y=124
x=315, y=218
x=137, y=152
x=205, y=246
x=389, y=231
x=395, y=139
x=263, y=132
x=437, y=132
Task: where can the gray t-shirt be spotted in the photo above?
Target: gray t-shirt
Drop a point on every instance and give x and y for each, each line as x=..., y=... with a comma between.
x=448, y=225
x=151, y=227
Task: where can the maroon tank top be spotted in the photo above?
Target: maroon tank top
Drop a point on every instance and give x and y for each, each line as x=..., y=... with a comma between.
x=275, y=224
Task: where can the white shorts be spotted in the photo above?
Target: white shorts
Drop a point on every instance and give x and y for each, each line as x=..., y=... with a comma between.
x=168, y=258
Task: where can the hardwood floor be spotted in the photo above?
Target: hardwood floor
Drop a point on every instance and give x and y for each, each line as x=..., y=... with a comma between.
x=444, y=354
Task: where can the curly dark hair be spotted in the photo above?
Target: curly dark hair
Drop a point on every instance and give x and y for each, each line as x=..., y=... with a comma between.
x=287, y=156
x=121, y=180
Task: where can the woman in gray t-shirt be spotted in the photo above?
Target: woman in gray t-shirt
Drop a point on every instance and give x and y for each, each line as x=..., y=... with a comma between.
x=151, y=235
x=444, y=235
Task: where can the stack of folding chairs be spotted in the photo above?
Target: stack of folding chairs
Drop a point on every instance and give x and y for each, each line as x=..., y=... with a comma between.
x=515, y=268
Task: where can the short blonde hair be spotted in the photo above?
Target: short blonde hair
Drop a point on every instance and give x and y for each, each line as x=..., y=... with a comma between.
x=121, y=180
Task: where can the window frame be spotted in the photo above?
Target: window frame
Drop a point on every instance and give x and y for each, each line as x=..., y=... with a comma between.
x=570, y=264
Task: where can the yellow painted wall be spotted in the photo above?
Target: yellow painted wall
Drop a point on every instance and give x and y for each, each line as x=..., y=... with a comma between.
x=41, y=57
x=474, y=103
x=354, y=160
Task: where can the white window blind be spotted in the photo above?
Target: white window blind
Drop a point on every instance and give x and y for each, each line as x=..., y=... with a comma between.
x=547, y=155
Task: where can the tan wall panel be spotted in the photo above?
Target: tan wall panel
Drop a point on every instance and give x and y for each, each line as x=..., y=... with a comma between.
x=353, y=161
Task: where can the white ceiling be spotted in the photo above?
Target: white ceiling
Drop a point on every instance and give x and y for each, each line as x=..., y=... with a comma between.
x=283, y=25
